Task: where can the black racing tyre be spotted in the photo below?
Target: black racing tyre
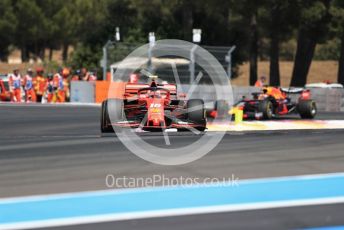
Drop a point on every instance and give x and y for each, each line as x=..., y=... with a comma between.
x=307, y=109
x=105, y=126
x=168, y=119
x=196, y=113
x=221, y=106
x=266, y=108
x=111, y=111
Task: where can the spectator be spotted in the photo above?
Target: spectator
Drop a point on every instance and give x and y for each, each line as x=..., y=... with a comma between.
x=30, y=95
x=92, y=76
x=84, y=74
x=39, y=83
x=15, y=85
x=59, y=85
x=65, y=75
x=50, y=89
x=76, y=76
x=260, y=82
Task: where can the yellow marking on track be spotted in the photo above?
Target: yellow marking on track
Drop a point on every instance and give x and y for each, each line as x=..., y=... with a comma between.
x=277, y=125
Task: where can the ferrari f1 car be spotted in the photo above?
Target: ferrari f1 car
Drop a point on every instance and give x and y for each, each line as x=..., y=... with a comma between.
x=274, y=102
x=153, y=107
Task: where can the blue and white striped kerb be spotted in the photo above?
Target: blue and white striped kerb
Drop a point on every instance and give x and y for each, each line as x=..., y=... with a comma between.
x=113, y=205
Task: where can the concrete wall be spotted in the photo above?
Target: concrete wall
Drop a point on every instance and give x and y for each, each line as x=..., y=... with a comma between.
x=326, y=99
x=331, y=100
x=342, y=103
x=83, y=92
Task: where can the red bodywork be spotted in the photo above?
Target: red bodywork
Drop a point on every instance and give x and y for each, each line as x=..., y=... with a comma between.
x=154, y=106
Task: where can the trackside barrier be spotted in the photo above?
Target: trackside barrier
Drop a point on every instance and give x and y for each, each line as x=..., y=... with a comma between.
x=342, y=105
x=95, y=92
x=102, y=88
x=331, y=100
x=83, y=92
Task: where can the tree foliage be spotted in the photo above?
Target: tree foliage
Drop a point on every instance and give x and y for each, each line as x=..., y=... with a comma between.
x=259, y=28
x=8, y=25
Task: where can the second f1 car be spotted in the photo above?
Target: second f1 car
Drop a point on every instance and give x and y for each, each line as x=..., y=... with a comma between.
x=274, y=102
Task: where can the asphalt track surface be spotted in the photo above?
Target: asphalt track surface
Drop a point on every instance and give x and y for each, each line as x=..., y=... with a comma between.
x=53, y=149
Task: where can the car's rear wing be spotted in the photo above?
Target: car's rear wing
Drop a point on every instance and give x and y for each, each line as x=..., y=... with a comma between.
x=305, y=94
x=292, y=90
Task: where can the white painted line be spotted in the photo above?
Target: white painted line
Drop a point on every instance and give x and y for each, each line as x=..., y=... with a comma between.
x=298, y=177
x=67, y=104
x=53, y=143
x=169, y=212
x=171, y=130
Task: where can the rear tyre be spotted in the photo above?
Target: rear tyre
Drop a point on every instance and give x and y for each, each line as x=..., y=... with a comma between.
x=307, y=109
x=196, y=113
x=266, y=108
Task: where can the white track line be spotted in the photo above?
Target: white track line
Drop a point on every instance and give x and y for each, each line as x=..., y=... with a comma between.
x=169, y=212
x=67, y=104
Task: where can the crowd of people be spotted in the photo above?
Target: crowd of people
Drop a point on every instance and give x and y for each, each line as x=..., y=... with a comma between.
x=36, y=86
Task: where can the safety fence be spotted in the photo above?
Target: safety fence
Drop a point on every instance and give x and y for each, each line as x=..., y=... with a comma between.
x=188, y=68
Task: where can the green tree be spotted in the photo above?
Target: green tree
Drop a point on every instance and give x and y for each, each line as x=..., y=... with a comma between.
x=314, y=25
x=66, y=21
x=30, y=29
x=40, y=26
x=338, y=26
x=278, y=27
x=52, y=34
x=8, y=25
x=249, y=12
x=88, y=31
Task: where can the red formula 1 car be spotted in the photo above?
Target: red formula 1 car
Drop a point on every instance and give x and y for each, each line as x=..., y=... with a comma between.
x=274, y=102
x=152, y=107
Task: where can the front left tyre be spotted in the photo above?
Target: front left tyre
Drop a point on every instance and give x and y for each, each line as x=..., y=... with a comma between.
x=265, y=107
x=111, y=112
x=105, y=125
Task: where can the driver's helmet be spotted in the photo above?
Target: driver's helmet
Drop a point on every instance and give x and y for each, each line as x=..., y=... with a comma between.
x=133, y=78
x=267, y=90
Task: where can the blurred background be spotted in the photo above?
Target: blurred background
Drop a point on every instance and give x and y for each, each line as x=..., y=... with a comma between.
x=270, y=35
x=62, y=54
